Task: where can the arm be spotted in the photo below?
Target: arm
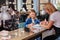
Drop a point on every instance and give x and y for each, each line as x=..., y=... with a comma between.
x=49, y=25
x=52, y=20
x=28, y=23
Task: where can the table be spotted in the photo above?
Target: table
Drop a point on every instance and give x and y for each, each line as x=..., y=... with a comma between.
x=22, y=35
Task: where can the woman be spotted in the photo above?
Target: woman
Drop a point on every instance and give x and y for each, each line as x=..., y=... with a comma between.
x=31, y=20
x=54, y=19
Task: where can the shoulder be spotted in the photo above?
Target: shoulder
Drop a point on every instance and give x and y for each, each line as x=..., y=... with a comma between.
x=28, y=19
x=55, y=13
x=37, y=20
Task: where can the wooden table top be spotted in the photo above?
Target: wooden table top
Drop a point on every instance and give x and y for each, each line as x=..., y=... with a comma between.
x=21, y=35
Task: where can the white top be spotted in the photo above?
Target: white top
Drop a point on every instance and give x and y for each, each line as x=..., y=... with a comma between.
x=33, y=21
x=5, y=16
x=56, y=18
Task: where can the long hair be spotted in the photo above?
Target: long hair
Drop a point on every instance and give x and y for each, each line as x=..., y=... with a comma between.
x=50, y=7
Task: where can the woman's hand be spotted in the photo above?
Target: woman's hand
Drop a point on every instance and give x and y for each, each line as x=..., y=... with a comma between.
x=44, y=22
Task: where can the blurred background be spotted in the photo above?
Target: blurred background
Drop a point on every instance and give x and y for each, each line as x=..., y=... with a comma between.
x=30, y=4
x=23, y=6
x=16, y=12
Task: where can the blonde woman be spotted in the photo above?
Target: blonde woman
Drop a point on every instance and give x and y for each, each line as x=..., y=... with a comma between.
x=54, y=19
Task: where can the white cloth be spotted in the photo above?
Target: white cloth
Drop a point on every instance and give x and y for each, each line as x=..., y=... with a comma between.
x=33, y=21
x=56, y=18
x=38, y=28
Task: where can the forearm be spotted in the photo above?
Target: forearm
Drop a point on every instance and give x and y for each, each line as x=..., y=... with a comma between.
x=46, y=26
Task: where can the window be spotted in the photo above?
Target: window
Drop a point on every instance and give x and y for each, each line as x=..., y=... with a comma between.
x=42, y=3
x=28, y=4
x=58, y=4
x=15, y=3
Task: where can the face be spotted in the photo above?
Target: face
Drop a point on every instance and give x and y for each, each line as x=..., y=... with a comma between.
x=32, y=15
x=48, y=9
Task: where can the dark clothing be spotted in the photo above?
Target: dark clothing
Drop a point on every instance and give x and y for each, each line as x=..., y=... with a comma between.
x=57, y=30
x=43, y=17
x=53, y=37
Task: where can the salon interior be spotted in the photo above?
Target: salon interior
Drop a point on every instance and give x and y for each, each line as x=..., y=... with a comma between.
x=25, y=19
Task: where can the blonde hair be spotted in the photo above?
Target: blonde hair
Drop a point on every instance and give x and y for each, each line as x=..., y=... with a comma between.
x=50, y=7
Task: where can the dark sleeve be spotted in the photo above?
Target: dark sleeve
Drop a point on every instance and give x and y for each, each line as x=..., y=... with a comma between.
x=27, y=22
x=38, y=21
